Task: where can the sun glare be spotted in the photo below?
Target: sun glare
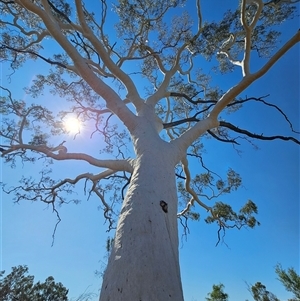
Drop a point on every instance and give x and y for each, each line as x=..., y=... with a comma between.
x=72, y=125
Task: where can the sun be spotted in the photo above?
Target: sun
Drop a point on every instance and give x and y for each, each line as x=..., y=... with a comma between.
x=72, y=125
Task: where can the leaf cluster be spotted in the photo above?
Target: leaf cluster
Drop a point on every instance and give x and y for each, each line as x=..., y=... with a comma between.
x=224, y=213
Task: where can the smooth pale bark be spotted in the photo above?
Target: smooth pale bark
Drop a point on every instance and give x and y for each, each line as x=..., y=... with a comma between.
x=144, y=262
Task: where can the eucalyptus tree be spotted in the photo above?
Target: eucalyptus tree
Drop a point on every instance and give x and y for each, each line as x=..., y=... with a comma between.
x=217, y=294
x=290, y=280
x=138, y=82
x=260, y=293
x=17, y=285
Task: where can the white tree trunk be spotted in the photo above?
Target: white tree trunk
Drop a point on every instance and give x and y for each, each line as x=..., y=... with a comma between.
x=144, y=262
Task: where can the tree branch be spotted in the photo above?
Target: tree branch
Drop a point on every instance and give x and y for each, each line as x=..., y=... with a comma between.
x=221, y=139
x=121, y=165
x=249, y=79
x=260, y=99
x=188, y=188
x=189, y=99
x=256, y=136
x=133, y=94
x=113, y=100
x=36, y=54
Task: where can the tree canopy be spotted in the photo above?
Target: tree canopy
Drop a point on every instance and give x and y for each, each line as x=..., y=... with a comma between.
x=290, y=279
x=18, y=286
x=217, y=294
x=139, y=76
x=167, y=57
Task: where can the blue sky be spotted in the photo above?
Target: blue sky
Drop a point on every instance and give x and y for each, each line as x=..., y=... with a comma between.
x=270, y=178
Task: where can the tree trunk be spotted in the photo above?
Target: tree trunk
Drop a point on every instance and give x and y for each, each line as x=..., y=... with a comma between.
x=144, y=262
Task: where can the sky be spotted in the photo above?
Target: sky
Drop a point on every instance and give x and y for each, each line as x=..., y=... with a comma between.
x=270, y=178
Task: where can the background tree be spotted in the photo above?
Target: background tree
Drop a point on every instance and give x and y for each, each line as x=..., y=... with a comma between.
x=100, y=72
x=291, y=281
x=18, y=286
x=260, y=293
x=217, y=294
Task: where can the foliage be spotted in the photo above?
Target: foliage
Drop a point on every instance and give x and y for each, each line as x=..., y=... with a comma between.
x=19, y=286
x=129, y=71
x=217, y=294
x=260, y=293
x=290, y=279
x=182, y=98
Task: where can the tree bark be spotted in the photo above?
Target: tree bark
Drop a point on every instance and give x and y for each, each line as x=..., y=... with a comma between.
x=144, y=261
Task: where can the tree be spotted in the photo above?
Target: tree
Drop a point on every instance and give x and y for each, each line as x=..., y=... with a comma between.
x=290, y=279
x=217, y=294
x=260, y=293
x=157, y=46
x=19, y=286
